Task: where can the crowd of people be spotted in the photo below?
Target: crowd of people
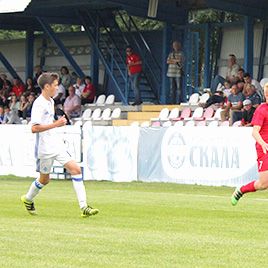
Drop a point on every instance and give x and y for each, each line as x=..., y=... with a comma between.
x=16, y=97
x=237, y=94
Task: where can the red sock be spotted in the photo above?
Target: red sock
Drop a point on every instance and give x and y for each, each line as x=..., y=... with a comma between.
x=248, y=188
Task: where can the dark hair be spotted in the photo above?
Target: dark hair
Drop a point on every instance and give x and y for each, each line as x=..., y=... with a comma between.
x=129, y=47
x=241, y=70
x=247, y=75
x=239, y=81
x=47, y=78
x=65, y=68
x=88, y=77
x=232, y=55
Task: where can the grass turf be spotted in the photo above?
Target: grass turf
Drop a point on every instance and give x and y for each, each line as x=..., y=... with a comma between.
x=139, y=225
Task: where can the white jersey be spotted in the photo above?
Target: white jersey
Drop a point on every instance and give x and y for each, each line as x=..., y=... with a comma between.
x=48, y=143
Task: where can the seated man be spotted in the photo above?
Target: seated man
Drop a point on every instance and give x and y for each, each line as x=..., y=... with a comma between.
x=255, y=83
x=234, y=103
x=231, y=75
x=89, y=92
x=72, y=104
x=252, y=95
x=247, y=114
x=217, y=98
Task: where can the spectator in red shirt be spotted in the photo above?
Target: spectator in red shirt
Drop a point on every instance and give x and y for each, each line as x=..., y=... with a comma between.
x=89, y=92
x=18, y=88
x=134, y=66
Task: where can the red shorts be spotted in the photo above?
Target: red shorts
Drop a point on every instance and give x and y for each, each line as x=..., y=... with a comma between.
x=262, y=162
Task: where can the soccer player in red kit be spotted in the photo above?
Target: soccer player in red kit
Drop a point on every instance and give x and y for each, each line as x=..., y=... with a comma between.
x=260, y=134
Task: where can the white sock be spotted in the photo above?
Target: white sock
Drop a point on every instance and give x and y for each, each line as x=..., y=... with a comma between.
x=80, y=190
x=35, y=188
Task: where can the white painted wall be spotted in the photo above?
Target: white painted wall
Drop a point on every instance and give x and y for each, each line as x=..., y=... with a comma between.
x=14, y=51
x=233, y=43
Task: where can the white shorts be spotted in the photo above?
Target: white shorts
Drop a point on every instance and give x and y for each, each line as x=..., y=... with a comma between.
x=44, y=165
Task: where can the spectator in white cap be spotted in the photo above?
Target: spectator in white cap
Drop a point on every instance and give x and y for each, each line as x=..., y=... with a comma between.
x=247, y=114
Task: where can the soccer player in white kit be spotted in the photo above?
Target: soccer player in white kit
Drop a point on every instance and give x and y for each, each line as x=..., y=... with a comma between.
x=49, y=147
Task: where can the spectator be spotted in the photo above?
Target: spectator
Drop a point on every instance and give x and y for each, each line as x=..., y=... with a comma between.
x=74, y=77
x=11, y=117
x=79, y=86
x=31, y=99
x=2, y=115
x=255, y=83
x=38, y=71
x=6, y=86
x=240, y=74
x=175, y=71
x=23, y=105
x=18, y=88
x=231, y=74
x=14, y=104
x=134, y=66
x=72, y=104
x=89, y=92
x=29, y=86
x=217, y=98
x=60, y=94
x=247, y=114
x=252, y=95
x=65, y=77
x=240, y=85
x=3, y=98
x=234, y=103
x=227, y=89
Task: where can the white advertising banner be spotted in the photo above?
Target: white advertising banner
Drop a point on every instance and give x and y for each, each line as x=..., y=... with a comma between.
x=197, y=155
x=17, y=148
x=110, y=153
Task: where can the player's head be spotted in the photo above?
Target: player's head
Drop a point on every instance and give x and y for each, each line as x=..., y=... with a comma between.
x=266, y=92
x=48, y=82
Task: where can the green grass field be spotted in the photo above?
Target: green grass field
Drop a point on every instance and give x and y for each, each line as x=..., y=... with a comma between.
x=140, y=225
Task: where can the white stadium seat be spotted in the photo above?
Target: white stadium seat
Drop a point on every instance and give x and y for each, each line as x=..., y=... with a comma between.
x=194, y=99
x=174, y=113
x=106, y=114
x=116, y=113
x=203, y=99
x=87, y=114
x=100, y=100
x=96, y=115
x=110, y=100
x=163, y=115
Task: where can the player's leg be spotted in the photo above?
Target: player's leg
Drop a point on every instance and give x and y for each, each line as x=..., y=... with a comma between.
x=79, y=188
x=43, y=167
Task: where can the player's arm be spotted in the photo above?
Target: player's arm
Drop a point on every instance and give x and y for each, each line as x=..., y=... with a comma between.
x=58, y=123
x=256, y=135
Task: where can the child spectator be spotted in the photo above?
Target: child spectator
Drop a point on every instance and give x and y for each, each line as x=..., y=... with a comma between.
x=89, y=92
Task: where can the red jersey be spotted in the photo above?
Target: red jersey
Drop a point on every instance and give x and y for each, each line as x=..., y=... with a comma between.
x=18, y=90
x=92, y=91
x=260, y=118
x=133, y=58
